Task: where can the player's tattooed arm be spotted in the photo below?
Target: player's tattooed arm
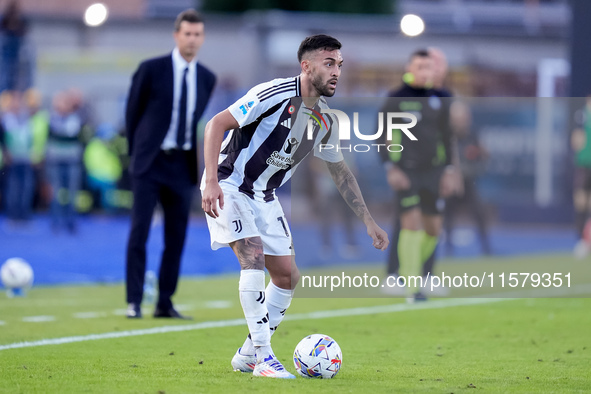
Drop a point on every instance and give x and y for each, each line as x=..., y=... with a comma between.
x=250, y=253
x=349, y=189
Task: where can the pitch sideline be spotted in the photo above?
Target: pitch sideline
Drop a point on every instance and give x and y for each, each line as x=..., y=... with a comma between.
x=379, y=309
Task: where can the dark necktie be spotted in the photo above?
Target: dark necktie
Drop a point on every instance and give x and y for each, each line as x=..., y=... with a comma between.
x=182, y=123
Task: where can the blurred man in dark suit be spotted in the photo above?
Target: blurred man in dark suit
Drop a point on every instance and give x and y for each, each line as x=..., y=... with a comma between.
x=167, y=97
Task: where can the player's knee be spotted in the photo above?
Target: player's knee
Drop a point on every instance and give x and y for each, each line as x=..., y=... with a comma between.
x=411, y=220
x=250, y=253
x=286, y=280
x=433, y=231
x=255, y=264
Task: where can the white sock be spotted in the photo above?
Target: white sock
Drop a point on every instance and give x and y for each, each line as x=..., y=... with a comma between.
x=264, y=353
x=247, y=348
x=252, y=297
x=278, y=300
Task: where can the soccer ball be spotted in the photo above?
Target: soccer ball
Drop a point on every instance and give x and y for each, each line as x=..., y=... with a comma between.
x=317, y=356
x=16, y=273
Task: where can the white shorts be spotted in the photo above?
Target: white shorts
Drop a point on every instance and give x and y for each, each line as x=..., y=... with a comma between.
x=243, y=217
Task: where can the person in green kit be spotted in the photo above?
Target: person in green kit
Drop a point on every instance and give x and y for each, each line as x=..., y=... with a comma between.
x=39, y=120
x=581, y=144
x=102, y=164
x=421, y=174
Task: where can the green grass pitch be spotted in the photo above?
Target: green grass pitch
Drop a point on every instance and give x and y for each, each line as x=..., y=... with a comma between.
x=442, y=346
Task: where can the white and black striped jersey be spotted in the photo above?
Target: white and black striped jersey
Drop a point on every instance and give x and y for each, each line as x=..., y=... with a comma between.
x=272, y=139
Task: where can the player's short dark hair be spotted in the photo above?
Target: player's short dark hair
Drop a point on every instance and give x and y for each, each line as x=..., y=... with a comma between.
x=418, y=53
x=190, y=16
x=319, y=41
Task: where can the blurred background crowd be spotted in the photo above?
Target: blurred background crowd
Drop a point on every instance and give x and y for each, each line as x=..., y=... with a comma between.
x=56, y=159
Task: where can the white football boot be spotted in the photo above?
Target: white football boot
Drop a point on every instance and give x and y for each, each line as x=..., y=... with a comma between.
x=243, y=363
x=270, y=367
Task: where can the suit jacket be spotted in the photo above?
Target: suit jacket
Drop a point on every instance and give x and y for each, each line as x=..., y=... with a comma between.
x=149, y=111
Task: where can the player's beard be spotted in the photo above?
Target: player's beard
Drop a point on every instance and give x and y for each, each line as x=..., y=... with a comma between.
x=322, y=87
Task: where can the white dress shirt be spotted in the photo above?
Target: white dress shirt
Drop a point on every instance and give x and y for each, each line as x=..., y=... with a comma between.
x=178, y=68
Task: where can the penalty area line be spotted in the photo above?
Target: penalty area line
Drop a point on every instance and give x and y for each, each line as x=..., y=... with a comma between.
x=379, y=309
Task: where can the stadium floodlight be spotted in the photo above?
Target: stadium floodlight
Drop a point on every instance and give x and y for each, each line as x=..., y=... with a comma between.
x=412, y=25
x=96, y=15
